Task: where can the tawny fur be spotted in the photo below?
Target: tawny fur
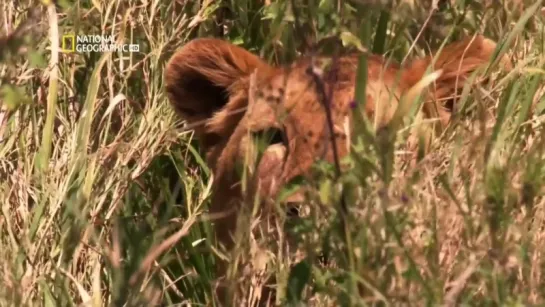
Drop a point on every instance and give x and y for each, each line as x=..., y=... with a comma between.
x=233, y=93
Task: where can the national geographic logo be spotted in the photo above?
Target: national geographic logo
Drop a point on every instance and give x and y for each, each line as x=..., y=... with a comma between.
x=94, y=43
x=69, y=43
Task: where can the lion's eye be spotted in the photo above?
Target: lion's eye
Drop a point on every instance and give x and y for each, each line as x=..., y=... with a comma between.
x=449, y=105
x=269, y=136
x=273, y=139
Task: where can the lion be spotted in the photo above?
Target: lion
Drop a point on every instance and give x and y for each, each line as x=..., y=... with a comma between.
x=227, y=95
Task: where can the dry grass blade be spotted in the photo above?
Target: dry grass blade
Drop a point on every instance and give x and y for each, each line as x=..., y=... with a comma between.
x=43, y=157
x=161, y=248
x=456, y=286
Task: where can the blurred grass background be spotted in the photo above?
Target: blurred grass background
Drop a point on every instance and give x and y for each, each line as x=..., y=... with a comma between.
x=103, y=195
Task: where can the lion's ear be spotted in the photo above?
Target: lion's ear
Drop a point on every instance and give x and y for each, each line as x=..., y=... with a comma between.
x=204, y=76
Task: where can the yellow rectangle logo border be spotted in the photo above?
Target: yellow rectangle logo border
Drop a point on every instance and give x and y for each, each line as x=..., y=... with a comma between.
x=66, y=39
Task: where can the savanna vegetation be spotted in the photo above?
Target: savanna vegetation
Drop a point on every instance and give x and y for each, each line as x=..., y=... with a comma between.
x=104, y=192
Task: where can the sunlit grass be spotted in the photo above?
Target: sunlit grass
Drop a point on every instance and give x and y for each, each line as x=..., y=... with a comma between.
x=103, y=196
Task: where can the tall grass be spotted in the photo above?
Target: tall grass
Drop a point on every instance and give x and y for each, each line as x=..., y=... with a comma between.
x=103, y=196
